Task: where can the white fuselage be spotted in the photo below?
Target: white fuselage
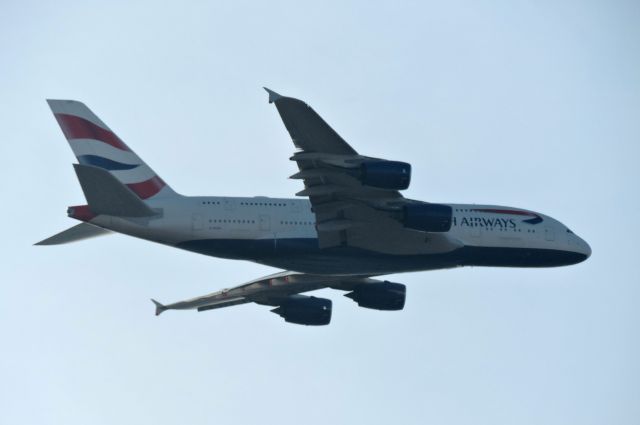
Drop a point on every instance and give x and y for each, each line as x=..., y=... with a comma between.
x=282, y=232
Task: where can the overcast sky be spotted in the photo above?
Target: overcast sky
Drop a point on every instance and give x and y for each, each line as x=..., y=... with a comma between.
x=526, y=104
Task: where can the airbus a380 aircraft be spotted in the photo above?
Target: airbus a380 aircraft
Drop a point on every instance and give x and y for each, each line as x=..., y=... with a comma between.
x=354, y=224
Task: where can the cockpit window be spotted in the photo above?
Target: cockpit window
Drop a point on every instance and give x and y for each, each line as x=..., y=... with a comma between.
x=569, y=231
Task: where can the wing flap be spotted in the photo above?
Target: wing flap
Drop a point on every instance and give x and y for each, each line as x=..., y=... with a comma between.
x=225, y=303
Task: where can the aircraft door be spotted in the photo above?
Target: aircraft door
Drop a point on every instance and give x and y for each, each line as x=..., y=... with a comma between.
x=197, y=222
x=549, y=234
x=295, y=206
x=264, y=222
x=228, y=205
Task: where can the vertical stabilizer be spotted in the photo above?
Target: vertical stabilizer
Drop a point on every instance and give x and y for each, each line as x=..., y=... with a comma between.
x=93, y=143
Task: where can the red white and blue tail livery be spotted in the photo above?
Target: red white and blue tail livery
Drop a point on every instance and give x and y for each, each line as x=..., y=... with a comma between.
x=94, y=143
x=351, y=224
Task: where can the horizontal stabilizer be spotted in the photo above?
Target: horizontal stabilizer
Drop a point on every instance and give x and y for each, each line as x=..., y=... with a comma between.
x=74, y=234
x=106, y=195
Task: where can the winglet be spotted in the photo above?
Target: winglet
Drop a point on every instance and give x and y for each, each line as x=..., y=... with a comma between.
x=159, y=307
x=273, y=96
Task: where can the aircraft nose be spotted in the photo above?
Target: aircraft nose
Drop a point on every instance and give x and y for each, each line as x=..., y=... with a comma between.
x=587, y=249
x=583, y=248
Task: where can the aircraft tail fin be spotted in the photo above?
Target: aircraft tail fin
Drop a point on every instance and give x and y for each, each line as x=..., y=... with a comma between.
x=93, y=143
x=76, y=233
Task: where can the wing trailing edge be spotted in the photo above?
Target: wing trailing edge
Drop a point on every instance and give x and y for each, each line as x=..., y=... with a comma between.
x=269, y=290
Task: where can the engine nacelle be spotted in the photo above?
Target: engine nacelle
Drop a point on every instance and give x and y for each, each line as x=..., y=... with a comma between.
x=380, y=296
x=392, y=175
x=428, y=217
x=305, y=310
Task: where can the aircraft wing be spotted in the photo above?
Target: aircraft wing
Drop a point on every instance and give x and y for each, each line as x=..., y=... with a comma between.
x=269, y=290
x=349, y=212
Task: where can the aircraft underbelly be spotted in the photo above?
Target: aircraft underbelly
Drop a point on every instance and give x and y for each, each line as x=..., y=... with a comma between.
x=304, y=255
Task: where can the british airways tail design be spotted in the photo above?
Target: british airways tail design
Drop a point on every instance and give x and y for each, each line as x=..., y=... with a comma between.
x=352, y=224
x=94, y=144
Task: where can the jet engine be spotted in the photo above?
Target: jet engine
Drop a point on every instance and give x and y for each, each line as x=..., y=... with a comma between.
x=428, y=217
x=305, y=310
x=392, y=175
x=379, y=296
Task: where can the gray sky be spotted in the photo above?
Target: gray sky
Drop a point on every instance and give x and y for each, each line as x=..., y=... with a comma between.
x=527, y=104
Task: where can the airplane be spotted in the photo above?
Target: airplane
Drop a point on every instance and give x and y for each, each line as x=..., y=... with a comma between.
x=352, y=226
